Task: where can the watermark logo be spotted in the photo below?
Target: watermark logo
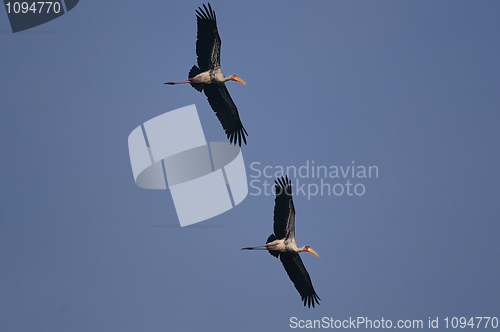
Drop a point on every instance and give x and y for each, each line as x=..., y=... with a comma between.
x=28, y=14
x=205, y=180
x=312, y=180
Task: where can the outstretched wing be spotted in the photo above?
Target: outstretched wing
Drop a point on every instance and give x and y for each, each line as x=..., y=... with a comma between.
x=208, y=39
x=298, y=275
x=225, y=109
x=284, y=212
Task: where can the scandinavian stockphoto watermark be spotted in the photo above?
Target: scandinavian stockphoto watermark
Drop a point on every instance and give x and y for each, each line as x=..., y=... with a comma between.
x=310, y=179
x=360, y=322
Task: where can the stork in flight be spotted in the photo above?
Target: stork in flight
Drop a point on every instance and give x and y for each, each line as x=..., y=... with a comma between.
x=282, y=243
x=208, y=76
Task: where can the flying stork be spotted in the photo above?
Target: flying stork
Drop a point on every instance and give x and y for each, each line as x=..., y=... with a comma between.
x=282, y=243
x=208, y=76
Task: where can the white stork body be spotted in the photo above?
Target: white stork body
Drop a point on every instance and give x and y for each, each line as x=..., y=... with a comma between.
x=283, y=246
x=211, y=77
x=205, y=77
x=277, y=245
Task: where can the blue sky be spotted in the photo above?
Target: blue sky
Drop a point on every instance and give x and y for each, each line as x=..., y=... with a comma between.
x=409, y=87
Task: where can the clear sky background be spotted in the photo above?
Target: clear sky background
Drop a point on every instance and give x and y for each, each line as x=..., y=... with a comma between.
x=411, y=87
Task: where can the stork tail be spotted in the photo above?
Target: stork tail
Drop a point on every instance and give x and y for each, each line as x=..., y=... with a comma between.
x=271, y=238
x=192, y=73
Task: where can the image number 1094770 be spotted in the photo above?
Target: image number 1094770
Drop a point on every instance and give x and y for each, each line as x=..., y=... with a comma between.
x=35, y=7
x=25, y=15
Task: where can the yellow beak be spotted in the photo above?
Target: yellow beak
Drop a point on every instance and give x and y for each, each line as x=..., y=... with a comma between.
x=314, y=252
x=236, y=78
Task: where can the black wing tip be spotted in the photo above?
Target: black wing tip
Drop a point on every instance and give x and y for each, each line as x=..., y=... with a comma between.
x=311, y=300
x=205, y=13
x=283, y=183
x=238, y=136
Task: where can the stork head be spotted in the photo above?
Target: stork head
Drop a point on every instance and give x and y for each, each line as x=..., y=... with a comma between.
x=236, y=78
x=308, y=249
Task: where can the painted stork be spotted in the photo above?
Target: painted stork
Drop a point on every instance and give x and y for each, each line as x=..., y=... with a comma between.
x=208, y=76
x=282, y=243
